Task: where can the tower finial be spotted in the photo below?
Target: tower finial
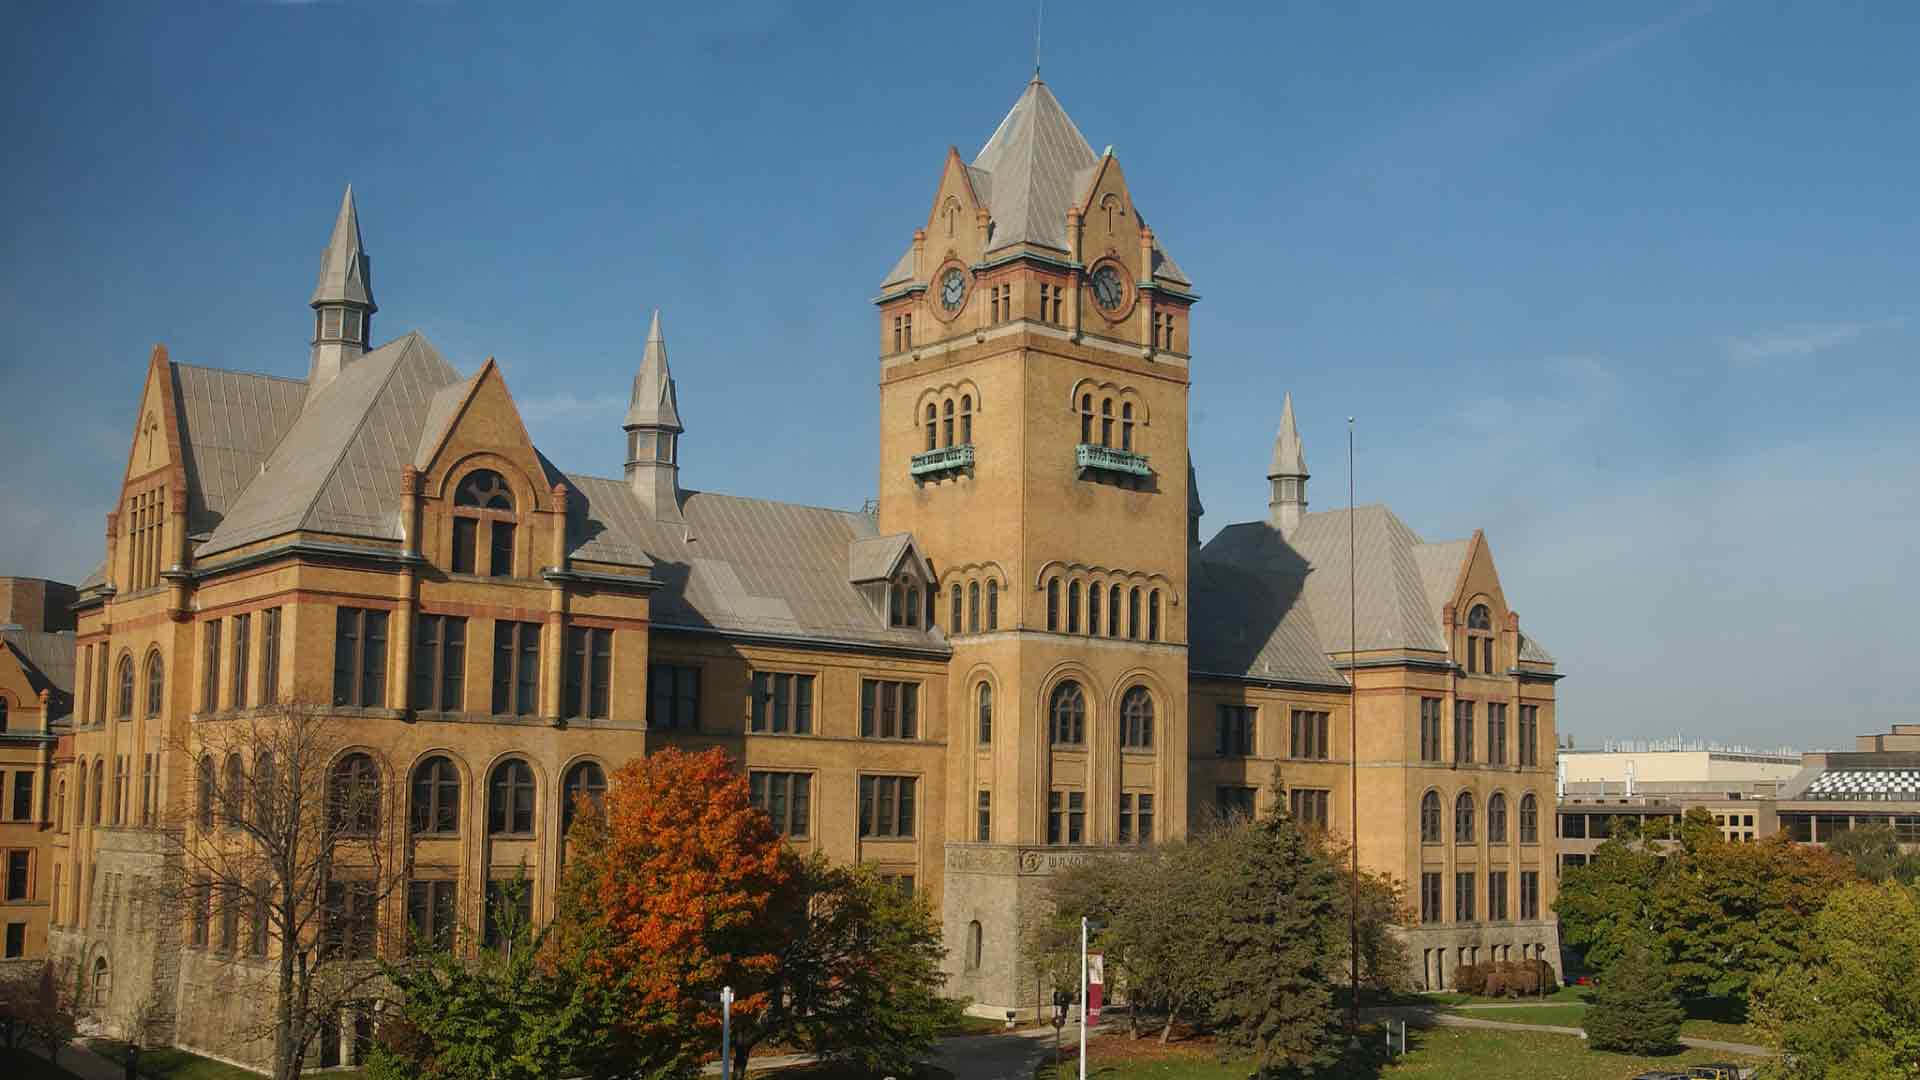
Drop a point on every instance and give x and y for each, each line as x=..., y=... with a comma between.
x=342, y=299
x=1287, y=474
x=653, y=430
x=1039, y=18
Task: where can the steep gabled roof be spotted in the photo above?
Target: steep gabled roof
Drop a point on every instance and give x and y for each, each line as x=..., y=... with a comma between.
x=47, y=660
x=233, y=420
x=740, y=565
x=1252, y=622
x=337, y=469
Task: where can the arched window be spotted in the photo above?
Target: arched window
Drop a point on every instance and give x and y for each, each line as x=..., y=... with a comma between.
x=510, y=799
x=986, y=714
x=948, y=427
x=436, y=797
x=204, y=796
x=1053, y=604
x=102, y=982
x=586, y=779
x=1463, y=818
x=993, y=605
x=1133, y=612
x=1497, y=819
x=1430, y=818
x=265, y=796
x=973, y=607
x=1479, y=640
x=156, y=684
x=1068, y=715
x=966, y=418
x=973, y=945
x=80, y=794
x=1126, y=425
x=1479, y=618
x=355, y=795
x=483, y=501
x=1086, y=418
x=933, y=426
x=60, y=808
x=125, y=701
x=1136, y=719
x=1093, y=608
x=1153, y=615
x=1073, y=607
x=1113, y=611
x=1529, y=820
x=100, y=785
x=956, y=608
x=235, y=801
x=1106, y=422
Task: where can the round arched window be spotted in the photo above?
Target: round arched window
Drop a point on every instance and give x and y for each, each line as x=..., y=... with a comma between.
x=156, y=684
x=1463, y=818
x=356, y=795
x=483, y=503
x=1430, y=818
x=1068, y=714
x=436, y=797
x=510, y=799
x=585, y=780
x=1136, y=719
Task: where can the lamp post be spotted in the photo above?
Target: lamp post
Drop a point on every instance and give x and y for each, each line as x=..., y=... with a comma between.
x=726, y=1033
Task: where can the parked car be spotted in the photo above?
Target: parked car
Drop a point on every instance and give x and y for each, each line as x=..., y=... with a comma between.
x=1718, y=1070
x=1660, y=1074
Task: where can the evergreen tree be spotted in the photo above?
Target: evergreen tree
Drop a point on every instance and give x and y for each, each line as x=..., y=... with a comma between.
x=1269, y=907
x=1635, y=1010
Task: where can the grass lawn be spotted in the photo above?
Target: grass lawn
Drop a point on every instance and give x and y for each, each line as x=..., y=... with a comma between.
x=1711, y=1018
x=1555, y=1015
x=1438, y=1054
x=26, y=1065
x=1449, y=997
x=169, y=1063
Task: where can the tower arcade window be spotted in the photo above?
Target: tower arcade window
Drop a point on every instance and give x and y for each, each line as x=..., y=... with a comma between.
x=1153, y=615
x=973, y=607
x=933, y=426
x=1093, y=607
x=1133, y=613
x=1126, y=425
x=947, y=427
x=156, y=689
x=1086, y=418
x=124, y=703
x=1106, y=422
x=966, y=419
x=1430, y=818
x=954, y=611
x=1067, y=715
x=986, y=713
x=1073, y=607
x=1053, y=604
x=993, y=605
x=1463, y=818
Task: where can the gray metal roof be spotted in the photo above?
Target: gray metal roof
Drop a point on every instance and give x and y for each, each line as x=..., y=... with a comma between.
x=47, y=659
x=346, y=274
x=1033, y=168
x=1401, y=586
x=337, y=470
x=232, y=421
x=1248, y=622
x=653, y=404
x=740, y=564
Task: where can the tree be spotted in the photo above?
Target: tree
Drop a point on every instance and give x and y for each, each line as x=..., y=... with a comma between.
x=1635, y=1009
x=40, y=1006
x=685, y=887
x=858, y=982
x=1875, y=853
x=1607, y=904
x=294, y=843
x=1269, y=908
x=522, y=1011
x=1853, y=1007
x=1384, y=961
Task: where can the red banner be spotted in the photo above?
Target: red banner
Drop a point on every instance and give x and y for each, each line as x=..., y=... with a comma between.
x=1096, y=979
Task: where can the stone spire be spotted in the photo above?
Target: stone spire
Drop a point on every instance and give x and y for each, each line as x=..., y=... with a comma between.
x=1287, y=475
x=653, y=431
x=342, y=301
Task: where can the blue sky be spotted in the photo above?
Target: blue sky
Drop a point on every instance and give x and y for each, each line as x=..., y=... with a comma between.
x=1629, y=286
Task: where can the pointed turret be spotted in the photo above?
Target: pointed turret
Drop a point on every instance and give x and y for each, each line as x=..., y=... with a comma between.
x=1287, y=474
x=1194, y=507
x=342, y=301
x=653, y=431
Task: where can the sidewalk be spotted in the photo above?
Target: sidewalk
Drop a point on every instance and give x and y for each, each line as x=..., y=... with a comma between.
x=1432, y=1016
x=84, y=1063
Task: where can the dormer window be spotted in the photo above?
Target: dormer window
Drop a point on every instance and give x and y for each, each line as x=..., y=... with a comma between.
x=483, y=503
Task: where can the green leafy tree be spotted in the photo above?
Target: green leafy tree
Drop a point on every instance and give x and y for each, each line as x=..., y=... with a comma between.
x=1635, y=1010
x=1875, y=853
x=1852, y=1009
x=1267, y=911
x=1384, y=960
x=522, y=1011
x=1607, y=904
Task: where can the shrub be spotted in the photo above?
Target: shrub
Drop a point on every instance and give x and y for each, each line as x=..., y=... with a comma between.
x=1470, y=979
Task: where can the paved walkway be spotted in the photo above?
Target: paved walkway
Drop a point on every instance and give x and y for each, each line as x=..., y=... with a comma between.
x=85, y=1064
x=1432, y=1016
x=1010, y=1055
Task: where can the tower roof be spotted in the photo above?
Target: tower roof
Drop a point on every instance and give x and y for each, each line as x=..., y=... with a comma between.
x=1288, y=460
x=1035, y=157
x=345, y=273
x=653, y=403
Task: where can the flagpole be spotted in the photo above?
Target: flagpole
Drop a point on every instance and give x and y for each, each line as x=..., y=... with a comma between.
x=1353, y=748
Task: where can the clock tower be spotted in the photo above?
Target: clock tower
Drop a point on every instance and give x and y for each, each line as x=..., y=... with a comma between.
x=1033, y=396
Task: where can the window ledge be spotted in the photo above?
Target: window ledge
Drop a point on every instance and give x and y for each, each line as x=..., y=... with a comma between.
x=1108, y=459
x=942, y=459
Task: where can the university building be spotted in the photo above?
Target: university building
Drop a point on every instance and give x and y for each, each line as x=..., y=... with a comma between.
x=1022, y=655
x=36, y=692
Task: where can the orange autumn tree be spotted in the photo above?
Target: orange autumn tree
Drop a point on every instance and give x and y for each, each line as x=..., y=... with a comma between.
x=676, y=887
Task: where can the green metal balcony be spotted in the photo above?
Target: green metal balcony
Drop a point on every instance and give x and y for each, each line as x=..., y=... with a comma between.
x=1107, y=459
x=942, y=459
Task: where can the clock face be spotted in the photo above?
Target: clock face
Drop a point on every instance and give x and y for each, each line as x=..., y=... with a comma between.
x=953, y=289
x=1108, y=289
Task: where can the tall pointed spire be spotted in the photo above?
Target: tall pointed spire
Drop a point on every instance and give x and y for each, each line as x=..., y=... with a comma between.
x=342, y=301
x=653, y=431
x=653, y=403
x=345, y=273
x=1287, y=474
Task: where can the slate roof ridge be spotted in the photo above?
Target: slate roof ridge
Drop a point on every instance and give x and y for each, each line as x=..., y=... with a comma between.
x=686, y=493
x=300, y=379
